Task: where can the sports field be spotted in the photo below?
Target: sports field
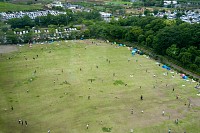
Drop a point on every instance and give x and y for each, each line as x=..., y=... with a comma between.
x=5, y=7
x=65, y=86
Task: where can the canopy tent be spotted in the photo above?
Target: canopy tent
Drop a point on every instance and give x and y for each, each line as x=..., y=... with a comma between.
x=133, y=52
x=166, y=67
x=182, y=75
x=185, y=77
x=123, y=45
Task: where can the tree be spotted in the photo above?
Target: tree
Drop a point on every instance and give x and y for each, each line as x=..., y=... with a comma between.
x=185, y=57
x=2, y=37
x=155, y=11
x=87, y=33
x=197, y=61
x=11, y=38
x=148, y=41
x=173, y=51
x=157, y=24
x=4, y=28
x=26, y=21
x=149, y=32
x=193, y=67
x=164, y=39
x=28, y=37
x=21, y=22
x=146, y=12
x=133, y=33
x=141, y=38
x=178, y=14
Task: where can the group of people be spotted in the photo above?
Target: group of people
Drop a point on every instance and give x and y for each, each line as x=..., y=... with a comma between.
x=22, y=122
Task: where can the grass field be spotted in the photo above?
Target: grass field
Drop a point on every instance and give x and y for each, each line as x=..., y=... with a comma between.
x=4, y=7
x=75, y=83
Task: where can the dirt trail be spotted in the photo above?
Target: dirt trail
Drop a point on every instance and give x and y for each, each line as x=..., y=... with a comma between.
x=8, y=48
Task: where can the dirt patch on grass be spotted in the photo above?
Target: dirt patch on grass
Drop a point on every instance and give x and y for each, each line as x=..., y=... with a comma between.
x=195, y=102
x=8, y=48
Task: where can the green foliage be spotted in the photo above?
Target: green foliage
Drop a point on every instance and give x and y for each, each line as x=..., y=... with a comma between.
x=118, y=82
x=197, y=61
x=11, y=38
x=155, y=12
x=106, y=129
x=146, y=12
x=5, y=7
x=172, y=51
x=141, y=38
x=4, y=28
x=133, y=33
x=21, y=22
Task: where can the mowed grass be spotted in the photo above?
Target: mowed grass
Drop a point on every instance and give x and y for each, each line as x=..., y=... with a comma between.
x=5, y=7
x=62, y=98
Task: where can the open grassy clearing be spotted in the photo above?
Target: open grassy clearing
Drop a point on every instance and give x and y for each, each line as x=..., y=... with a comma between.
x=75, y=85
x=5, y=7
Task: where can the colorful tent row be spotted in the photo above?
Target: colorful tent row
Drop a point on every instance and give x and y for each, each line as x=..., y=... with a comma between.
x=135, y=50
x=123, y=45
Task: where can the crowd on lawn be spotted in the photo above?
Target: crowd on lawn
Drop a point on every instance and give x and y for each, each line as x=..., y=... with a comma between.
x=142, y=97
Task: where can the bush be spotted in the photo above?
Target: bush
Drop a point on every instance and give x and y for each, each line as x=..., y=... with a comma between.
x=106, y=129
x=118, y=82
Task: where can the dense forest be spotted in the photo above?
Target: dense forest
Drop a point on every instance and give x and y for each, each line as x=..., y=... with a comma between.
x=175, y=39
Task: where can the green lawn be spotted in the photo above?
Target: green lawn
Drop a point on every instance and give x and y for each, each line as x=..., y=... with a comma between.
x=4, y=7
x=117, y=3
x=64, y=107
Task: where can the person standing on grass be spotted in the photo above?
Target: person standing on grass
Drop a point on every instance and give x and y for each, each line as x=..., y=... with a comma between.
x=26, y=123
x=176, y=96
x=87, y=126
x=163, y=113
x=141, y=98
x=131, y=130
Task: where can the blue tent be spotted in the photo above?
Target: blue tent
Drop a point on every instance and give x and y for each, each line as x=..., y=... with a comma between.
x=120, y=44
x=135, y=49
x=133, y=52
x=185, y=77
x=166, y=67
